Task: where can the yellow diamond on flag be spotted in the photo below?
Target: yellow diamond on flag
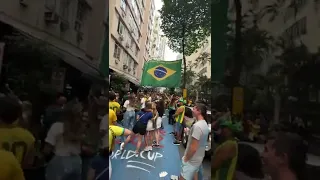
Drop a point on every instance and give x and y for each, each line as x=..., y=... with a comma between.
x=160, y=72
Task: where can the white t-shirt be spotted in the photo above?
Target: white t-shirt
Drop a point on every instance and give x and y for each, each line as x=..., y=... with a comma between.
x=127, y=106
x=55, y=138
x=143, y=103
x=104, y=125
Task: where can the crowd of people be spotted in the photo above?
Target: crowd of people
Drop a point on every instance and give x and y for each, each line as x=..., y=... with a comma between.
x=70, y=144
x=142, y=117
x=283, y=158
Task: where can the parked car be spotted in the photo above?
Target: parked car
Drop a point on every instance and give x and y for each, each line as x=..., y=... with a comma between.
x=185, y=135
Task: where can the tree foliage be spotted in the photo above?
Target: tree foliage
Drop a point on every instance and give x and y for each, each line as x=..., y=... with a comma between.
x=190, y=76
x=186, y=19
x=118, y=82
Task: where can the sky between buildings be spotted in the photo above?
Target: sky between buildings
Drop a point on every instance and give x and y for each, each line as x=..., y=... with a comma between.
x=169, y=55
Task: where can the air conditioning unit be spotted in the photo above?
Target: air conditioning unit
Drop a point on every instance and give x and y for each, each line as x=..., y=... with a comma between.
x=127, y=45
x=51, y=17
x=121, y=37
x=23, y=3
x=125, y=66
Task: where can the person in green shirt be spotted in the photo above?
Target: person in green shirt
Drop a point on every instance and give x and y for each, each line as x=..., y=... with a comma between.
x=226, y=154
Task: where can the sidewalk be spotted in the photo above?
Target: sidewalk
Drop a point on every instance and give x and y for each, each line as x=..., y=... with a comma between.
x=147, y=165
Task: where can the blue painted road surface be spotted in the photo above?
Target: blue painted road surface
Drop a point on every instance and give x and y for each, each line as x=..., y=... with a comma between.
x=147, y=165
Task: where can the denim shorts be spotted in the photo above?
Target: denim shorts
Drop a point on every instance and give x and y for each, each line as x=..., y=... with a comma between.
x=188, y=171
x=178, y=127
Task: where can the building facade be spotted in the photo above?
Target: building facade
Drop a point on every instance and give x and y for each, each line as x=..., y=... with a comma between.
x=302, y=26
x=155, y=38
x=74, y=29
x=202, y=68
x=130, y=28
x=162, y=46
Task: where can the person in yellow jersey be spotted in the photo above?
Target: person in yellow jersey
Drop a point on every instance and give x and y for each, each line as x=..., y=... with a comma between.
x=115, y=131
x=179, y=117
x=113, y=104
x=226, y=154
x=10, y=167
x=101, y=163
x=107, y=120
x=13, y=138
x=112, y=117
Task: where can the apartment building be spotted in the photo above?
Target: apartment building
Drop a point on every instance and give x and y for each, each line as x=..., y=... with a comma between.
x=130, y=28
x=162, y=46
x=204, y=67
x=155, y=38
x=74, y=29
x=302, y=26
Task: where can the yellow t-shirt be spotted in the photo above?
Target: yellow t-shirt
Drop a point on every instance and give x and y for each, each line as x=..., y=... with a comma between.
x=17, y=140
x=114, y=131
x=115, y=106
x=10, y=167
x=112, y=117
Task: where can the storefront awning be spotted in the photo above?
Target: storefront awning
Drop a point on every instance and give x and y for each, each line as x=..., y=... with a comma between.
x=69, y=53
x=128, y=77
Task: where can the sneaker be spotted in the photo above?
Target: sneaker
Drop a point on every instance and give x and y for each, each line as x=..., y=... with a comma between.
x=121, y=146
x=147, y=148
x=156, y=145
x=177, y=142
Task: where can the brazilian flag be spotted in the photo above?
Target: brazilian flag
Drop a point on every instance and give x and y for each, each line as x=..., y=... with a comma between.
x=161, y=73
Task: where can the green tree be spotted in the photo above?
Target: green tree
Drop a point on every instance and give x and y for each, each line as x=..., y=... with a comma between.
x=190, y=77
x=118, y=82
x=186, y=24
x=202, y=59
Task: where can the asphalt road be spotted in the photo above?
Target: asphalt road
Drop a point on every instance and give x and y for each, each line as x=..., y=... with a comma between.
x=147, y=165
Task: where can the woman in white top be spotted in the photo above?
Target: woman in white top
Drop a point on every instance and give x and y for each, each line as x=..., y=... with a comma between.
x=130, y=115
x=64, y=139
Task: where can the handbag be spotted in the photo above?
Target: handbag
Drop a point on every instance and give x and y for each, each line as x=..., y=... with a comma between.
x=138, y=119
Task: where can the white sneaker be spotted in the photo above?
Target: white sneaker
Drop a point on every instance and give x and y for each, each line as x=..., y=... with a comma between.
x=121, y=146
x=148, y=148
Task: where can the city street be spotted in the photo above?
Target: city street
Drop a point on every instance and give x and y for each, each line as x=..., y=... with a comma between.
x=148, y=165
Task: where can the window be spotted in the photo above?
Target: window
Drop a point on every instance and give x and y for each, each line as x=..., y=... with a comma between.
x=130, y=65
x=137, y=50
x=64, y=9
x=135, y=68
x=126, y=59
x=123, y=5
x=298, y=29
x=120, y=27
x=117, y=51
x=131, y=43
x=80, y=11
x=51, y=4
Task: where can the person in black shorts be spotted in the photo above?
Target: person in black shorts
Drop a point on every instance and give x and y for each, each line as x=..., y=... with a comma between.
x=140, y=128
